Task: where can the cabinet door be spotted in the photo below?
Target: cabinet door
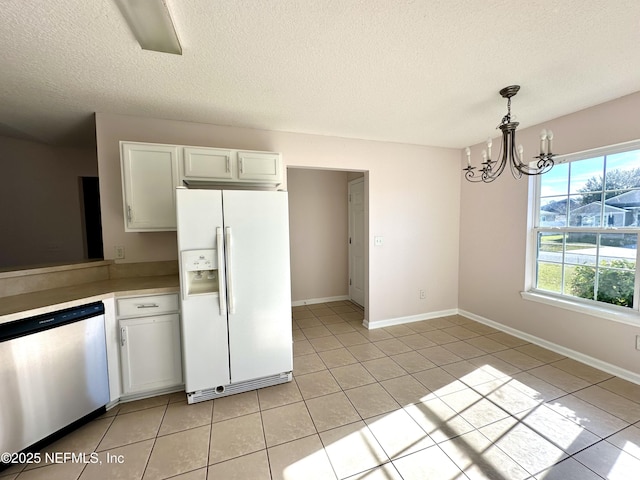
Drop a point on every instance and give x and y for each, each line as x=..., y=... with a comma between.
x=207, y=164
x=260, y=167
x=150, y=353
x=150, y=177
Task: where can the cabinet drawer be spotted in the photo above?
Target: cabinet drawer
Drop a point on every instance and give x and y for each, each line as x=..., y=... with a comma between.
x=147, y=305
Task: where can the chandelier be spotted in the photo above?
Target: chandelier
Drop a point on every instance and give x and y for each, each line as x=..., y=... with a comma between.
x=491, y=169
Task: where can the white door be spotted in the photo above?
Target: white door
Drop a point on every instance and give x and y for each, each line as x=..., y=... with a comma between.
x=204, y=321
x=356, y=241
x=258, y=283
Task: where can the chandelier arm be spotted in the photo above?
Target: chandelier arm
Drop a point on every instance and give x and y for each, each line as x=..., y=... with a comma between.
x=491, y=173
x=507, y=133
x=516, y=162
x=543, y=165
x=472, y=176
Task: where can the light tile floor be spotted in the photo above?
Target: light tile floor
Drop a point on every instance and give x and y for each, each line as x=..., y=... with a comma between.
x=441, y=399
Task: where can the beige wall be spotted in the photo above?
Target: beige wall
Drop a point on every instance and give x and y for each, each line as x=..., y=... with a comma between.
x=414, y=196
x=40, y=198
x=493, y=238
x=318, y=215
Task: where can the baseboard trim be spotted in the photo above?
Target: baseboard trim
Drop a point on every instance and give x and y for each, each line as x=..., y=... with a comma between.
x=313, y=301
x=408, y=319
x=567, y=352
x=141, y=396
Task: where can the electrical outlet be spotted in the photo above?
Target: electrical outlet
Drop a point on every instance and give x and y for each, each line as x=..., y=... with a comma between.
x=423, y=294
x=378, y=241
x=119, y=250
x=637, y=342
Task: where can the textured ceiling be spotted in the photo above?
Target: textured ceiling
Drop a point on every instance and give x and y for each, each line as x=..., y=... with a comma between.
x=413, y=71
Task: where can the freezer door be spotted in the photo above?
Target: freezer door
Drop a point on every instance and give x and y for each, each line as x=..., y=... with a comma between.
x=203, y=323
x=258, y=283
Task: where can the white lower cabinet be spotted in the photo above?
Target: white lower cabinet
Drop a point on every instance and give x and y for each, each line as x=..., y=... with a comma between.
x=150, y=355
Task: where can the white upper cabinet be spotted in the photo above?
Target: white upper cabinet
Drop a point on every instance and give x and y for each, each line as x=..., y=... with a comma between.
x=151, y=172
x=207, y=164
x=150, y=178
x=223, y=166
x=260, y=167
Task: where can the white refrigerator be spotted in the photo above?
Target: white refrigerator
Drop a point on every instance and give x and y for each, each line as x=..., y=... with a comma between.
x=235, y=289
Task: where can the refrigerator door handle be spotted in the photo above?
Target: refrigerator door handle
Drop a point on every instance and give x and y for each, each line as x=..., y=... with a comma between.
x=220, y=248
x=227, y=252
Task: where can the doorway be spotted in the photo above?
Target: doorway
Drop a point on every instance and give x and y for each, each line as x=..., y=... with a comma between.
x=320, y=234
x=91, y=218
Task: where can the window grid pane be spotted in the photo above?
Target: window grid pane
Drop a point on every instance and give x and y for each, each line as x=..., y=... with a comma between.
x=577, y=255
x=550, y=259
x=586, y=175
x=580, y=281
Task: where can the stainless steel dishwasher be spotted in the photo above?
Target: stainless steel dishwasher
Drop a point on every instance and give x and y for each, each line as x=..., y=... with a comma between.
x=53, y=374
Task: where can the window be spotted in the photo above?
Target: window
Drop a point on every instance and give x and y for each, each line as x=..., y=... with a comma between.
x=587, y=223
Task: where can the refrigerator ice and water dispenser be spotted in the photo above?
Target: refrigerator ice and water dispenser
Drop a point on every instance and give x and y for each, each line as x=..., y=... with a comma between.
x=200, y=270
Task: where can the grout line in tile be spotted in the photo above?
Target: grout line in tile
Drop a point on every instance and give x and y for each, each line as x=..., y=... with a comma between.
x=573, y=456
x=397, y=334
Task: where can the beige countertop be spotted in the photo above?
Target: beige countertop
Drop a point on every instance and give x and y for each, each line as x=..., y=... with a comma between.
x=17, y=307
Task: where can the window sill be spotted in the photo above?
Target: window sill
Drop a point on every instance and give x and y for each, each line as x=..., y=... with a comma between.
x=613, y=314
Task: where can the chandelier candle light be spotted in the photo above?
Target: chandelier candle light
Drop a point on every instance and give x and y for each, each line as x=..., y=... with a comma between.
x=492, y=169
